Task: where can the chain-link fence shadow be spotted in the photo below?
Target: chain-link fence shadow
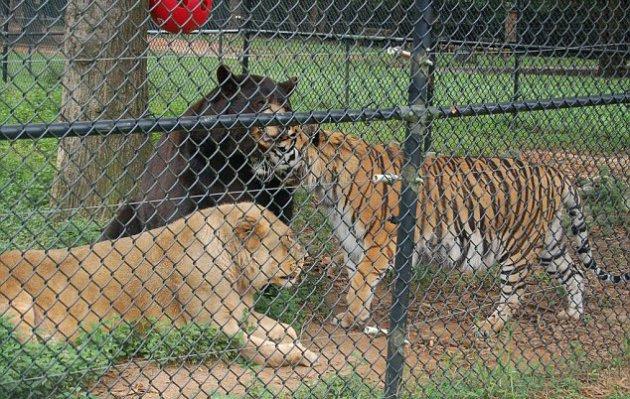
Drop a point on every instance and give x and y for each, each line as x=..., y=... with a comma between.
x=314, y=200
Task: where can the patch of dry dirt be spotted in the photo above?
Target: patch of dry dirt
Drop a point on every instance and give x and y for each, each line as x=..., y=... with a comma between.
x=606, y=383
x=207, y=48
x=339, y=351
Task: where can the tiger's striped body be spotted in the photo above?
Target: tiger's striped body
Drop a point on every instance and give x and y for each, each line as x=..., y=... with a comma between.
x=473, y=211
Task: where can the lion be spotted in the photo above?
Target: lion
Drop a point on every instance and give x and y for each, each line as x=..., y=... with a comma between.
x=204, y=268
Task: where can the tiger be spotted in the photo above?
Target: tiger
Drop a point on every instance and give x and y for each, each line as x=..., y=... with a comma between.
x=475, y=212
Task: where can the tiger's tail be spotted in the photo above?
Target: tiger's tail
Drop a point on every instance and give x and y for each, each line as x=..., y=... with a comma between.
x=573, y=204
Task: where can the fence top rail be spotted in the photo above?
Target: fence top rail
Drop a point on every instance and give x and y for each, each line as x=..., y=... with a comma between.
x=442, y=41
x=198, y=123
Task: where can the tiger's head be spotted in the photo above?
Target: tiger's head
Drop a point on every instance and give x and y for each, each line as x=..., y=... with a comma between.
x=306, y=153
x=279, y=152
x=284, y=150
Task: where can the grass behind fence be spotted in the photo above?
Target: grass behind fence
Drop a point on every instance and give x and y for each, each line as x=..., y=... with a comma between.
x=376, y=80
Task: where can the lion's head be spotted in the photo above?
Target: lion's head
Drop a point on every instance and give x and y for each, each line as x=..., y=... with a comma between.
x=269, y=254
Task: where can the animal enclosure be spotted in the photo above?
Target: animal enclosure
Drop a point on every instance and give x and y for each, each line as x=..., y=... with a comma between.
x=405, y=171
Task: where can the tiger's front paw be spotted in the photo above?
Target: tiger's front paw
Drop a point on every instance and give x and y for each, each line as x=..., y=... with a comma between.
x=569, y=314
x=490, y=327
x=348, y=320
x=484, y=329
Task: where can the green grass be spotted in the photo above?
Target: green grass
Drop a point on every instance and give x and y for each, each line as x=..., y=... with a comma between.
x=375, y=80
x=26, y=174
x=516, y=378
x=511, y=378
x=61, y=370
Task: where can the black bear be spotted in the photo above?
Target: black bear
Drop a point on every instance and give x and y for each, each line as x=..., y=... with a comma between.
x=190, y=171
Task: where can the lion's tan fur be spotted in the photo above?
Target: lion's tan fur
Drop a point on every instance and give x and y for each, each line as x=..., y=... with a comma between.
x=204, y=268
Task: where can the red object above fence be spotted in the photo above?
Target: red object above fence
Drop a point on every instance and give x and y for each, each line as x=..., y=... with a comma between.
x=180, y=15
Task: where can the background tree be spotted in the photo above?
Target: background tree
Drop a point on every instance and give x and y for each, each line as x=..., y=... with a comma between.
x=613, y=22
x=105, y=78
x=236, y=10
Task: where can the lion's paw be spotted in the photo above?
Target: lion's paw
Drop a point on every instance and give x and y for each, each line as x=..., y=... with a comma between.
x=309, y=358
x=297, y=354
x=281, y=332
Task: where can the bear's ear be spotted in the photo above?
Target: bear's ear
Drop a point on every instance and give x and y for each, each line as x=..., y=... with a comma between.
x=251, y=231
x=227, y=80
x=289, y=85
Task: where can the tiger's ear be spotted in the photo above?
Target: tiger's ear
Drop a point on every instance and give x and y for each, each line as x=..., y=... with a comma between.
x=227, y=80
x=251, y=230
x=289, y=85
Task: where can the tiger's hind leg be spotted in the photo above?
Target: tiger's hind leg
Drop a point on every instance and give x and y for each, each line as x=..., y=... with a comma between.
x=514, y=270
x=566, y=273
x=561, y=267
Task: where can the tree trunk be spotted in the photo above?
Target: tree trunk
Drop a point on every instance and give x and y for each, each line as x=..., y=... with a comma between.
x=313, y=16
x=105, y=78
x=237, y=13
x=510, y=27
x=613, y=25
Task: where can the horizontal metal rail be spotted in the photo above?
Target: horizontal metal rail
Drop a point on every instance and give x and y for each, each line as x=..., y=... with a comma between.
x=534, y=49
x=199, y=123
x=287, y=33
x=532, y=105
x=189, y=123
x=531, y=49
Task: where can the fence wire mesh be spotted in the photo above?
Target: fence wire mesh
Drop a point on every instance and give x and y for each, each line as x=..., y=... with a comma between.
x=314, y=199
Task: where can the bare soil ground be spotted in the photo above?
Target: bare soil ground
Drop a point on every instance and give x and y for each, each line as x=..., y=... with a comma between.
x=150, y=382
x=167, y=44
x=441, y=336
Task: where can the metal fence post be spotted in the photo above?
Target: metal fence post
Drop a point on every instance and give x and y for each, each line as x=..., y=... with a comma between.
x=347, y=73
x=516, y=75
x=246, y=35
x=514, y=14
x=6, y=8
x=417, y=142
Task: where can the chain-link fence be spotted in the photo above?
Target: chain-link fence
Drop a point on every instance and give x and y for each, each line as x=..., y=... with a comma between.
x=315, y=199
